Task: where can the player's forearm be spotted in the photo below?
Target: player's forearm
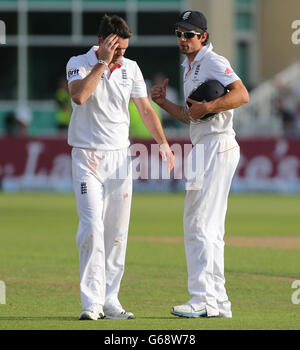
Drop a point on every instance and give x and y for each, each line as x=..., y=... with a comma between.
x=174, y=110
x=153, y=125
x=81, y=90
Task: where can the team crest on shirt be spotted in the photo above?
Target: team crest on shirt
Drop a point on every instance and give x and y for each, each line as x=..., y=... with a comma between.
x=124, y=77
x=197, y=69
x=83, y=188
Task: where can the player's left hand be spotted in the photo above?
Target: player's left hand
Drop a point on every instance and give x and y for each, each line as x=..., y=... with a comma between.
x=197, y=109
x=167, y=155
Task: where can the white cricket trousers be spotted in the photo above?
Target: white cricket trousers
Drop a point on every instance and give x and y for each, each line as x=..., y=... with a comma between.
x=204, y=222
x=103, y=206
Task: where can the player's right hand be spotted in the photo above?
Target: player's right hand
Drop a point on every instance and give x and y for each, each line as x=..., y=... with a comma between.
x=167, y=155
x=158, y=92
x=107, y=48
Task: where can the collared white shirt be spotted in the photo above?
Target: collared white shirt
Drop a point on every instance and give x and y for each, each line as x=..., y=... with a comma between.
x=102, y=121
x=208, y=65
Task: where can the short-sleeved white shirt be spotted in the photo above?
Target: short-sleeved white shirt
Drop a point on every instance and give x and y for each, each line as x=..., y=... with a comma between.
x=208, y=65
x=102, y=121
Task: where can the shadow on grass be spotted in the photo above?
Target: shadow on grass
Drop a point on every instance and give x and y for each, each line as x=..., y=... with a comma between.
x=160, y=318
x=66, y=318
x=37, y=318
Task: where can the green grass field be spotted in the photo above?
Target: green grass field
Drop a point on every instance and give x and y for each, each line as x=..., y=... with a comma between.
x=39, y=264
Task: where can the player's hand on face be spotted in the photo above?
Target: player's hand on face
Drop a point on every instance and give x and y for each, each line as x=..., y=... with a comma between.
x=158, y=92
x=167, y=155
x=107, y=48
x=198, y=109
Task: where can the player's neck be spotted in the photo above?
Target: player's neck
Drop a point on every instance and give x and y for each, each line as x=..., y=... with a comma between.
x=191, y=56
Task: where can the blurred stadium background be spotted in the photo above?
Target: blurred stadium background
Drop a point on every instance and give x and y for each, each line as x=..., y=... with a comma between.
x=259, y=37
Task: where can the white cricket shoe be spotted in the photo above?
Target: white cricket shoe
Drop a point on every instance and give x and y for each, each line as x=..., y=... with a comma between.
x=225, y=309
x=94, y=313
x=186, y=310
x=116, y=313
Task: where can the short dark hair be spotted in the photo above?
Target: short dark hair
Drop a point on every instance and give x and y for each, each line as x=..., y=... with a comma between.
x=206, y=42
x=114, y=25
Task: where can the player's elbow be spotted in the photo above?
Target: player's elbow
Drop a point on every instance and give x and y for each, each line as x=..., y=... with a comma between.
x=240, y=92
x=78, y=99
x=147, y=113
x=76, y=94
x=245, y=96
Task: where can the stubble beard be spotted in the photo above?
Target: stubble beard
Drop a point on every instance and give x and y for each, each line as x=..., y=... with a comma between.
x=187, y=51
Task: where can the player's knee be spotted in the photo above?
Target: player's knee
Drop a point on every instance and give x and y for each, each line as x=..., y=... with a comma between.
x=89, y=234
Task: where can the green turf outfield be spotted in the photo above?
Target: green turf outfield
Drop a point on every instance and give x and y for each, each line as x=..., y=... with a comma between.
x=39, y=265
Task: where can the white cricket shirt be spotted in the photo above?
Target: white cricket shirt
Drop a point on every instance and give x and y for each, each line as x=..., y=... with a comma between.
x=102, y=121
x=208, y=65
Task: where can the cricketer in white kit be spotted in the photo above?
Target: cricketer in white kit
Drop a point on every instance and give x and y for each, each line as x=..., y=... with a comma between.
x=101, y=83
x=206, y=197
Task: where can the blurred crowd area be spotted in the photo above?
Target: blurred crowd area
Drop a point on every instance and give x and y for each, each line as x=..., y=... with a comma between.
x=285, y=107
x=34, y=99
x=19, y=122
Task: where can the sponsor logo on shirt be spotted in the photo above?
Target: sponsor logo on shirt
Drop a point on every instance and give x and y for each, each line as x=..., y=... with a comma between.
x=228, y=71
x=72, y=72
